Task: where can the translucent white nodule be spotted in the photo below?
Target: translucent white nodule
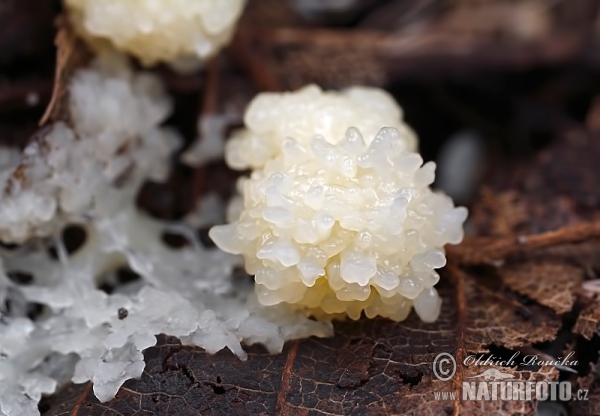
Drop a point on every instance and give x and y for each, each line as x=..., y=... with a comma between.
x=88, y=173
x=338, y=203
x=181, y=32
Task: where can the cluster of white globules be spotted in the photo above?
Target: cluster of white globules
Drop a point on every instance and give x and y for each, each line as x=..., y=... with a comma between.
x=114, y=136
x=173, y=31
x=338, y=217
x=88, y=173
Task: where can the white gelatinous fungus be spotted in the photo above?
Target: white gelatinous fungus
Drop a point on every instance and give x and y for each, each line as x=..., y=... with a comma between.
x=338, y=216
x=88, y=172
x=180, y=32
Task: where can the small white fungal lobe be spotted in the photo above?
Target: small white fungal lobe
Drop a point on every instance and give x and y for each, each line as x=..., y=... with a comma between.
x=338, y=216
x=181, y=32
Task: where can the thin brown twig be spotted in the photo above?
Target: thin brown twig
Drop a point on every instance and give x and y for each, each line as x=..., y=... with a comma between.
x=490, y=250
x=280, y=408
x=554, y=47
x=70, y=54
x=81, y=399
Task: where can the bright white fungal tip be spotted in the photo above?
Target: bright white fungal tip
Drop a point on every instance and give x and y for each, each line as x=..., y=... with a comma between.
x=181, y=32
x=88, y=173
x=338, y=217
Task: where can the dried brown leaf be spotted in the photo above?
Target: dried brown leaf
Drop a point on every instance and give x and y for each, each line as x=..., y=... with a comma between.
x=591, y=383
x=499, y=213
x=546, y=203
x=497, y=316
x=555, y=188
x=370, y=366
x=377, y=366
x=483, y=408
x=588, y=321
x=550, y=283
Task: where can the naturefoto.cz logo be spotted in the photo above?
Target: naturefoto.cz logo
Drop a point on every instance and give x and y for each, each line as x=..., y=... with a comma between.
x=493, y=384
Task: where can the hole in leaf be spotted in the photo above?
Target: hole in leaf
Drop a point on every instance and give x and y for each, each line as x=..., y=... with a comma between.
x=174, y=240
x=20, y=278
x=126, y=275
x=412, y=378
x=523, y=313
x=108, y=282
x=106, y=287
x=34, y=310
x=73, y=237
x=219, y=389
x=524, y=300
x=219, y=379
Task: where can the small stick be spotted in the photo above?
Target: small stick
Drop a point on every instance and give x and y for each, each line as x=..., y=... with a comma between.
x=491, y=250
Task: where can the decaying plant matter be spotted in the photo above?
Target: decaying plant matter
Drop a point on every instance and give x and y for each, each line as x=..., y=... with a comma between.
x=524, y=278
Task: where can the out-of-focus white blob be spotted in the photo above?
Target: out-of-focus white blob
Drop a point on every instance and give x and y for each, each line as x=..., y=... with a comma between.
x=210, y=146
x=460, y=165
x=180, y=32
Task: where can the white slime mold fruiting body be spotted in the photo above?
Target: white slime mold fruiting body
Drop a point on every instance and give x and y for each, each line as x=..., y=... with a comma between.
x=181, y=32
x=338, y=217
x=88, y=173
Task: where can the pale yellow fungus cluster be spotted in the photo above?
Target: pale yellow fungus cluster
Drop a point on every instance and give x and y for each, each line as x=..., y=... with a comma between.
x=180, y=32
x=338, y=217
